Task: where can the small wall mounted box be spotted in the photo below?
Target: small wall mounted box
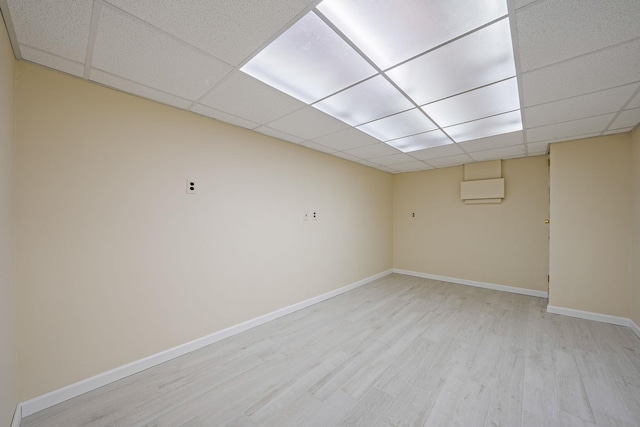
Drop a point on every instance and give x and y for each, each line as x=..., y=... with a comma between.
x=483, y=183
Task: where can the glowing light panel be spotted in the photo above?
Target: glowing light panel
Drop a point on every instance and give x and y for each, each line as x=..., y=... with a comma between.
x=389, y=33
x=399, y=125
x=365, y=101
x=309, y=61
x=487, y=101
x=449, y=60
x=495, y=125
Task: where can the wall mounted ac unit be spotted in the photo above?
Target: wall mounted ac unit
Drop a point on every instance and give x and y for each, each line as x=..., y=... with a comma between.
x=483, y=183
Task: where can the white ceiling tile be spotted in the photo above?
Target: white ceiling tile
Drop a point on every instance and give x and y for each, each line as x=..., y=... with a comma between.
x=536, y=148
x=227, y=29
x=436, y=152
x=387, y=169
x=475, y=60
x=223, y=117
x=346, y=140
x=522, y=3
x=499, y=153
x=317, y=147
x=399, y=125
x=444, y=162
x=59, y=27
x=368, y=163
x=392, y=160
x=366, y=101
x=308, y=123
x=52, y=61
x=249, y=98
x=490, y=126
x=592, y=104
x=309, y=61
x=573, y=28
x=493, y=142
x=420, y=141
x=389, y=34
x=351, y=158
x=372, y=151
x=137, y=89
x=584, y=74
x=132, y=49
x=627, y=118
x=572, y=138
x=615, y=131
x=486, y=101
x=569, y=129
x=278, y=134
x=635, y=102
x=412, y=167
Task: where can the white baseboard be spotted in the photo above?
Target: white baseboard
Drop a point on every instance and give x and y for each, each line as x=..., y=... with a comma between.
x=52, y=398
x=17, y=416
x=466, y=282
x=588, y=315
x=634, y=328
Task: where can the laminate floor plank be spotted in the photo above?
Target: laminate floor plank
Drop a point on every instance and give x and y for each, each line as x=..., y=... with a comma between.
x=399, y=351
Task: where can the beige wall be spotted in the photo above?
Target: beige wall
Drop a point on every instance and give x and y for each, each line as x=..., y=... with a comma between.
x=117, y=262
x=635, y=263
x=591, y=225
x=505, y=244
x=8, y=295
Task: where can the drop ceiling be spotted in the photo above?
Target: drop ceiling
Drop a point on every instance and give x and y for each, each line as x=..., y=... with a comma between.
x=575, y=69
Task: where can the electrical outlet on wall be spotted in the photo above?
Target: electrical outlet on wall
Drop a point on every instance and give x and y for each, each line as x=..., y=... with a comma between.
x=314, y=215
x=191, y=186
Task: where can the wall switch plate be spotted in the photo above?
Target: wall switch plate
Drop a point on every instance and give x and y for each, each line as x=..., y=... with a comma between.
x=306, y=215
x=191, y=186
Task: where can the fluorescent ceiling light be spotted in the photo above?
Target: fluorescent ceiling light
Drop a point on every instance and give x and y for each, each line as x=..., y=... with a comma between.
x=435, y=138
x=401, y=71
x=495, y=125
x=487, y=101
x=389, y=33
x=309, y=61
x=478, y=59
x=399, y=125
x=365, y=101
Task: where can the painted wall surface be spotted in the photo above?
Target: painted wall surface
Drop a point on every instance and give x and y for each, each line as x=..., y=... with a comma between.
x=635, y=252
x=590, y=242
x=116, y=261
x=505, y=244
x=8, y=294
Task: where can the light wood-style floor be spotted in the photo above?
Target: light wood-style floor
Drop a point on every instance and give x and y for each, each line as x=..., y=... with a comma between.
x=400, y=351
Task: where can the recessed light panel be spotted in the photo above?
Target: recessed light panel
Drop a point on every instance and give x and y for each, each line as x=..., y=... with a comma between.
x=495, y=125
x=481, y=58
x=399, y=125
x=309, y=61
x=487, y=101
x=414, y=74
x=365, y=101
x=389, y=33
x=421, y=141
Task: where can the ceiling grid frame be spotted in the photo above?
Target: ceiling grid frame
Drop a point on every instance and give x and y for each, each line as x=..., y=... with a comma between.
x=21, y=18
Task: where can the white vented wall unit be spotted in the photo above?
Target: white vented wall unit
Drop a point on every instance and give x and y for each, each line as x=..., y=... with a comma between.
x=483, y=183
